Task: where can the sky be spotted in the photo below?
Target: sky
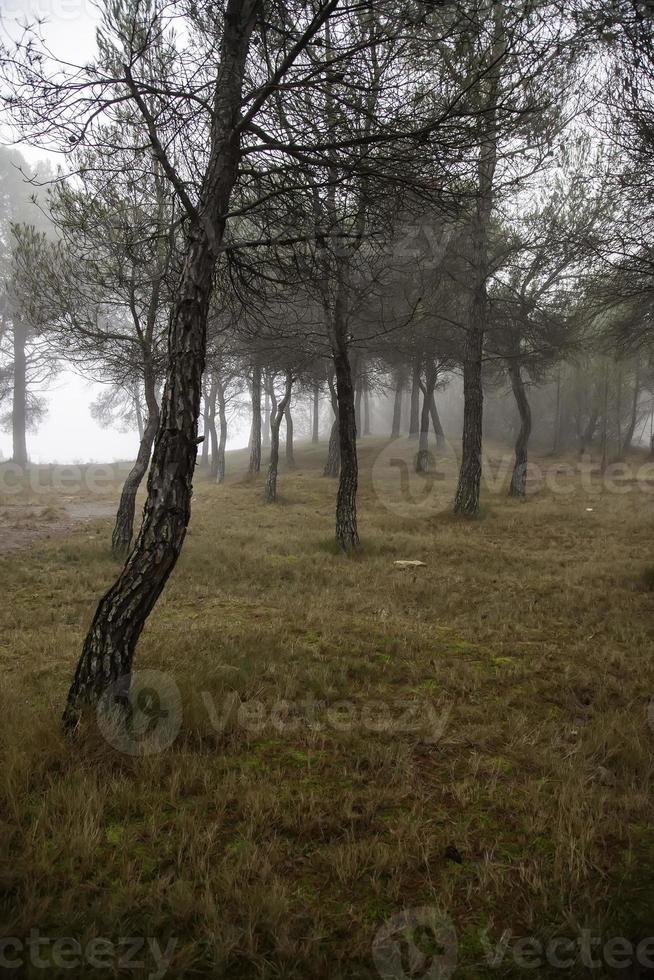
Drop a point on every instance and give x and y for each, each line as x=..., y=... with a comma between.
x=69, y=434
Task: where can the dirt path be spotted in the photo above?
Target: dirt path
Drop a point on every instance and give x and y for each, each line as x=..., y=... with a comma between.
x=21, y=525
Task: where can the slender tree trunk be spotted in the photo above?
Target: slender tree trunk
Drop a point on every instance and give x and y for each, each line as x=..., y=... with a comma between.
x=422, y=459
x=518, y=485
x=19, y=404
x=396, y=426
x=436, y=423
x=121, y=537
x=605, y=420
x=347, y=535
x=414, y=411
x=333, y=462
x=275, y=423
x=222, y=441
x=357, y=404
x=206, y=425
x=109, y=647
x=290, y=457
x=213, y=434
x=316, y=415
x=255, y=446
x=267, y=417
x=466, y=500
x=589, y=431
x=139, y=414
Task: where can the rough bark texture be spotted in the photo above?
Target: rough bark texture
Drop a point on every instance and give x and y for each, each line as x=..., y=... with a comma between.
x=255, y=434
x=275, y=423
x=109, y=646
x=121, y=537
x=333, y=463
x=518, y=484
x=19, y=403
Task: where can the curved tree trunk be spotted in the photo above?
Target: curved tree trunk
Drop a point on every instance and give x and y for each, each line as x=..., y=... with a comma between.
x=290, y=457
x=121, y=537
x=436, y=423
x=109, y=647
x=222, y=442
x=518, y=485
x=139, y=414
x=19, y=402
x=255, y=433
x=275, y=423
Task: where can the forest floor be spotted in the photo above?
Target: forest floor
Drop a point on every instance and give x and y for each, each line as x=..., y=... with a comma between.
x=372, y=770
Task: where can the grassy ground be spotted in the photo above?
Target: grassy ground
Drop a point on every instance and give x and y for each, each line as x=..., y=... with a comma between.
x=356, y=740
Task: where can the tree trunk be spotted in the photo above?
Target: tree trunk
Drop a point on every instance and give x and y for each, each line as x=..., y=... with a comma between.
x=255, y=443
x=19, y=404
x=124, y=524
x=222, y=442
x=518, y=485
x=267, y=418
x=414, y=411
x=589, y=431
x=357, y=404
x=109, y=647
x=333, y=463
x=139, y=413
x=275, y=423
x=347, y=536
x=316, y=415
x=466, y=500
x=557, y=413
x=422, y=459
x=436, y=423
x=213, y=435
x=204, y=458
x=290, y=458
x=396, y=426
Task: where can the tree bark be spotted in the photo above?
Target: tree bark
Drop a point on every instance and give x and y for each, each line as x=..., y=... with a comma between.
x=436, y=423
x=316, y=415
x=139, y=414
x=333, y=462
x=267, y=418
x=466, y=500
x=518, y=486
x=213, y=434
x=255, y=444
x=347, y=535
x=275, y=423
x=422, y=459
x=19, y=403
x=109, y=647
x=121, y=537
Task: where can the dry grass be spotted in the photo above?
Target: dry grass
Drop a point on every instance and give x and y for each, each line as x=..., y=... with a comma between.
x=523, y=651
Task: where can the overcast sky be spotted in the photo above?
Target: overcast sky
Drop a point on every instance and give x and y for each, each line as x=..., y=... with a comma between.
x=69, y=434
